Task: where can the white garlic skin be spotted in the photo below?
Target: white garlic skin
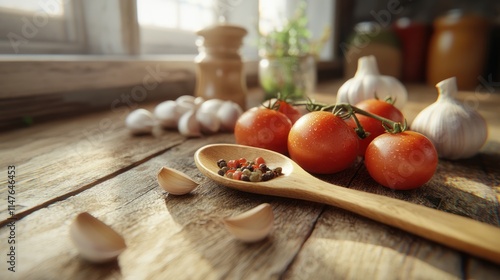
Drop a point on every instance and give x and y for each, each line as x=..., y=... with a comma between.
x=167, y=114
x=209, y=123
x=253, y=225
x=456, y=130
x=140, y=121
x=228, y=114
x=175, y=182
x=193, y=116
x=96, y=241
x=368, y=83
x=188, y=125
x=207, y=116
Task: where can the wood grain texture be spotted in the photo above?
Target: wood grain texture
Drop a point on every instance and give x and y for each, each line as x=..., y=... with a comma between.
x=91, y=164
x=69, y=156
x=175, y=237
x=346, y=246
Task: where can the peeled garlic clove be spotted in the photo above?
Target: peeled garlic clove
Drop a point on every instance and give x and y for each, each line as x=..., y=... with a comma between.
x=96, y=241
x=456, y=130
x=175, y=182
x=252, y=225
x=166, y=113
x=368, y=83
x=188, y=125
x=228, y=114
x=140, y=121
x=208, y=121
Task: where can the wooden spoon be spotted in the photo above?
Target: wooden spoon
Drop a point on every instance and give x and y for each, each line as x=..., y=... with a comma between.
x=467, y=235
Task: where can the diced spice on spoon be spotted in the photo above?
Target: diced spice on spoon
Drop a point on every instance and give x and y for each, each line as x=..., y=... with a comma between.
x=245, y=170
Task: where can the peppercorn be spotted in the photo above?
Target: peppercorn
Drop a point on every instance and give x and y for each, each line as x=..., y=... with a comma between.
x=221, y=163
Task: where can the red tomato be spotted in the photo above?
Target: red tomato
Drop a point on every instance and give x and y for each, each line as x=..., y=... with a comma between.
x=322, y=143
x=401, y=161
x=371, y=125
x=289, y=111
x=263, y=128
x=284, y=107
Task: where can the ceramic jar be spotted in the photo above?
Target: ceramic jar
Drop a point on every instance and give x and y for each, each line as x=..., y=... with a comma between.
x=220, y=73
x=458, y=47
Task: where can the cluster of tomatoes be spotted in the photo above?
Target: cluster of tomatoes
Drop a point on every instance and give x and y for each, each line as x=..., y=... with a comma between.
x=322, y=142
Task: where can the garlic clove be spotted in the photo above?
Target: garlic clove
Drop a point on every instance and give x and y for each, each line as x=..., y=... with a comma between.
x=252, y=225
x=211, y=105
x=96, y=241
x=188, y=125
x=368, y=83
x=140, y=121
x=228, y=113
x=185, y=99
x=186, y=103
x=208, y=121
x=175, y=182
x=456, y=130
x=198, y=101
x=167, y=114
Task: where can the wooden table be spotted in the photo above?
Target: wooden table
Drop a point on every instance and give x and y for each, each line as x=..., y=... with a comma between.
x=91, y=163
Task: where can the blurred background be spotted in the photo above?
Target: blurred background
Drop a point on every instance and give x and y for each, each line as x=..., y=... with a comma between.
x=70, y=47
x=408, y=37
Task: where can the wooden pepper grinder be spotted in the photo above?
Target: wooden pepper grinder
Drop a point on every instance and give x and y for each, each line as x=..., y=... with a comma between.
x=220, y=71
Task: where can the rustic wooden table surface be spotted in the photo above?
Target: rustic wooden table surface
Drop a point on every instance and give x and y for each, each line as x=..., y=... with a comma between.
x=91, y=163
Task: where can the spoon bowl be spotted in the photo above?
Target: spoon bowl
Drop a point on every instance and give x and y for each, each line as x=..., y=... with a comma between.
x=464, y=234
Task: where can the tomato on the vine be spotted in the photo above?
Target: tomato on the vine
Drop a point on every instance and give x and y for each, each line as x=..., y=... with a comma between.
x=322, y=143
x=284, y=107
x=289, y=111
x=401, y=161
x=263, y=128
x=372, y=126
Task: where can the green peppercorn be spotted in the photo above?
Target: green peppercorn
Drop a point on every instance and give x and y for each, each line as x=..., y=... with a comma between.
x=256, y=176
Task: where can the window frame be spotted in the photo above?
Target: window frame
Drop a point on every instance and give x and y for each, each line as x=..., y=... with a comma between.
x=60, y=74
x=54, y=34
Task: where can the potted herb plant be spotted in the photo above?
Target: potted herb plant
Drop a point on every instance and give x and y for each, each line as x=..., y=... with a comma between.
x=288, y=58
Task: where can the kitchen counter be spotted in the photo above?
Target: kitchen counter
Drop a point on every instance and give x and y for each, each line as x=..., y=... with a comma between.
x=92, y=164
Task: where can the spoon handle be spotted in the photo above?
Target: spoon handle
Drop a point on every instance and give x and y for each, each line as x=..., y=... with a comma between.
x=464, y=234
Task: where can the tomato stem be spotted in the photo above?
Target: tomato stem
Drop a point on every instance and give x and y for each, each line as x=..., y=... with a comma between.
x=346, y=110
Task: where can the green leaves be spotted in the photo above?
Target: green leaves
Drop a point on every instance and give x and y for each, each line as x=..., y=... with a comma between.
x=292, y=40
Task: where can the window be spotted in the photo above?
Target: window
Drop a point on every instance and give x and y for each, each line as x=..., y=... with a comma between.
x=130, y=27
x=168, y=26
x=39, y=26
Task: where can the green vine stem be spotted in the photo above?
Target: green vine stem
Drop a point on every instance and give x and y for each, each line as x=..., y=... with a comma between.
x=346, y=110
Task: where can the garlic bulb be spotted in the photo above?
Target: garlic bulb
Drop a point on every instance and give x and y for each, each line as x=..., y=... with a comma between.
x=96, y=241
x=457, y=130
x=140, y=121
x=167, y=114
x=228, y=114
x=252, y=225
x=368, y=83
x=175, y=182
x=208, y=121
x=193, y=116
x=188, y=125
